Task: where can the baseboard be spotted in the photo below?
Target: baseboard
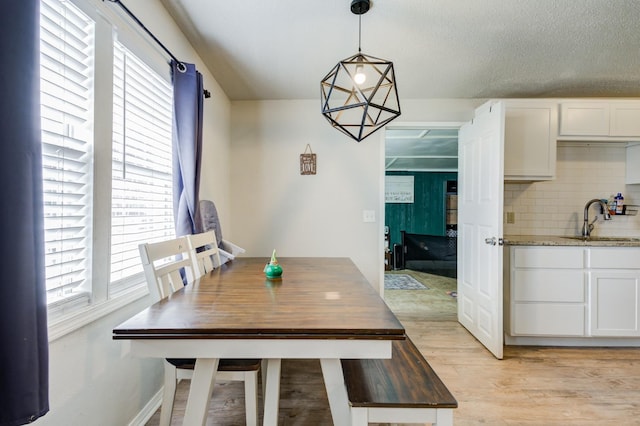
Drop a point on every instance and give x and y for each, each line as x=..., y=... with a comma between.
x=148, y=410
x=571, y=341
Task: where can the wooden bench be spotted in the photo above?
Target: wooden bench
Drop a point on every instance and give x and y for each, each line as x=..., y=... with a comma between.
x=403, y=389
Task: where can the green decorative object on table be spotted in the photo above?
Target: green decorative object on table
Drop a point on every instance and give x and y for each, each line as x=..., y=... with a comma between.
x=273, y=269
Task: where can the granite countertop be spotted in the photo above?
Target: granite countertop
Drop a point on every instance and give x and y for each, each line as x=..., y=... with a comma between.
x=553, y=240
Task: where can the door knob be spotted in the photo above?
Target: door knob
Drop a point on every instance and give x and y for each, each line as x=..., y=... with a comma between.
x=492, y=241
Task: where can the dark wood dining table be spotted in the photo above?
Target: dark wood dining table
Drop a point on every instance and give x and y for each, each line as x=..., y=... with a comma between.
x=321, y=308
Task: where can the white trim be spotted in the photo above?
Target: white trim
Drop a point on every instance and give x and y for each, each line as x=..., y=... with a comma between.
x=382, y=170
x=148, y=410
x=259, y=348
x=79, y=319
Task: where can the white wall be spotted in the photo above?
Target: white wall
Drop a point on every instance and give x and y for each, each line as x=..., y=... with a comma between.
x=583, y=172
x=274, y=207
x=93, y=379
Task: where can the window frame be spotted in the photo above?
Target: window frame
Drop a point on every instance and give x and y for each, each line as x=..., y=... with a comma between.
x=108, y=21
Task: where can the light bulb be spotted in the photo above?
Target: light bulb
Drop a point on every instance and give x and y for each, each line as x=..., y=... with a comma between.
x=360, y=76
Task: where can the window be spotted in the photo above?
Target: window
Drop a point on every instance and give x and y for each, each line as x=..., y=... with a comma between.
x=97, y=210
x=141, y=199
x=66, y=69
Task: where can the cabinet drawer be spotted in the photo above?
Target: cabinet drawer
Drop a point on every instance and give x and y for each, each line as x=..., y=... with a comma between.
x=614, y=258
x=548, y=257
x=540, y=319
x=556, y=285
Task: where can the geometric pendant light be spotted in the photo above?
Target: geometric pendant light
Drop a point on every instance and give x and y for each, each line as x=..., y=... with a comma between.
x=359, y=95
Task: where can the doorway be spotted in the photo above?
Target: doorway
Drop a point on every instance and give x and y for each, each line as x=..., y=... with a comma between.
x=420, y=225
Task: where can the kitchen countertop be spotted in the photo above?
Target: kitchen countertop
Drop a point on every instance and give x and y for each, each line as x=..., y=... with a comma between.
x=553, y=240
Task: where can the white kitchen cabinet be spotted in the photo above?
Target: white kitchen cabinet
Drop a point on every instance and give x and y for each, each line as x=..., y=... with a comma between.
x=584, y=119
x=633, y=164
x=583, y=292
x=530, y=140
x=625, y=119
x=615, y=303
x=614, y=287
x=547, y=291
x=600, y=120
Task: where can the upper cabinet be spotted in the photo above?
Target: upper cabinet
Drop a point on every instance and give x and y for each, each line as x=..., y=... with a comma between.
x=530, y=140
x=600, y=120
x=633, y=164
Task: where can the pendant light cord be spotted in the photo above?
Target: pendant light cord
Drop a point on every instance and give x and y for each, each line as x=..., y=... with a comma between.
x=359, y=33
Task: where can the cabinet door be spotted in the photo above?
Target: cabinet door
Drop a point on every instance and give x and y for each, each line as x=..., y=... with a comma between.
x=633, y=164
x=584, y=119
x=530, y=141
x=615, y=303
x=625, y=119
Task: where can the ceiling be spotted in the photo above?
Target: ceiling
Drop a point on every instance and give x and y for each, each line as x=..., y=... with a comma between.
x=421, y=149
x=281, y=49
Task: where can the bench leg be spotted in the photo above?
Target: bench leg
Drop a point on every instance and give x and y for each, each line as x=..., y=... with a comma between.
x=336, y=391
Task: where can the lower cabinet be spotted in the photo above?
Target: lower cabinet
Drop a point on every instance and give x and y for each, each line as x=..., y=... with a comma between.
x=548, y=291
x=614, y=286
x=574, y=291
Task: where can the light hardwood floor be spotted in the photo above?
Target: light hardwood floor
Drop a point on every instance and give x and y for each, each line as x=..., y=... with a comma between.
x=530, y=386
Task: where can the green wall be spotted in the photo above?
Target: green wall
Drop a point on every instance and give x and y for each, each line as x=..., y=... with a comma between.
x=426, y=215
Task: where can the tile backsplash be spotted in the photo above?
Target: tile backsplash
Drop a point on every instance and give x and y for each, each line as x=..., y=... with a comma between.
x=583, y=171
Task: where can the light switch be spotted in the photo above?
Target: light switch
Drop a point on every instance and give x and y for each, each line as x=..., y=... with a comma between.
x=369, y=215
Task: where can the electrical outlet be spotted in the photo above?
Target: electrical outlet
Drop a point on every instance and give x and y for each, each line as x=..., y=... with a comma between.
x=511, y=217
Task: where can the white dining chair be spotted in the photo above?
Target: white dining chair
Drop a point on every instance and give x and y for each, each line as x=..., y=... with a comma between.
x=167, y=265
x=205, y=254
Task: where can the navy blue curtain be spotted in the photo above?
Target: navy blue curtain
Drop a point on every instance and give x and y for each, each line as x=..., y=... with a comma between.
x=187, y=146
x=24, y=357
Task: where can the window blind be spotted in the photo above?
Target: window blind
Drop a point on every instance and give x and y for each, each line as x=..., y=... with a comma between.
x=66, y=93
x=142, y=201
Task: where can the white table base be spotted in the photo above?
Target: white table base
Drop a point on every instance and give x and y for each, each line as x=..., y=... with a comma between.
x=329, y=351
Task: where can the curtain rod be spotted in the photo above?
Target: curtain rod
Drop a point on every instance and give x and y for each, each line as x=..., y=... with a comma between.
x=181, y=66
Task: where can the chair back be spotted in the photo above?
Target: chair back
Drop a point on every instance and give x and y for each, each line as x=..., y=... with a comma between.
x=164, y=265
x=204, y=252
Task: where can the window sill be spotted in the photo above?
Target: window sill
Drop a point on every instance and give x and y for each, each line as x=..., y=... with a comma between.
x=72, y=322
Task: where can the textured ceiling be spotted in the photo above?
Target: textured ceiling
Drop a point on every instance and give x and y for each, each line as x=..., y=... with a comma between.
x=281, y=49
x=421, y=149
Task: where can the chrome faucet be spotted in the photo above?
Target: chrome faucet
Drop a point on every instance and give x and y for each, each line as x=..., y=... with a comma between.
x=588, y=227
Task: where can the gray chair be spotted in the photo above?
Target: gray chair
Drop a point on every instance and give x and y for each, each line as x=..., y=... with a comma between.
x=209, y=222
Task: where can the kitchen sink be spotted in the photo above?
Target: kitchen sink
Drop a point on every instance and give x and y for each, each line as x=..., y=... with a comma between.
x=610, y=239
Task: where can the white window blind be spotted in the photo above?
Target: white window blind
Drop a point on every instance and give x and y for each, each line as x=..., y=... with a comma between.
x=142, y=203
x=66, y=73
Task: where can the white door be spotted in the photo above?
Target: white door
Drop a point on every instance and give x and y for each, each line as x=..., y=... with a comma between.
x=480, y=202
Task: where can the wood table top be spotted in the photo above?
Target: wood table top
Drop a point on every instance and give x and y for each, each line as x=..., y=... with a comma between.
x=315, y=298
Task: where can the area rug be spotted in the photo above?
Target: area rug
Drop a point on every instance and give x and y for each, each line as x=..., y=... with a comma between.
x=402, y=282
